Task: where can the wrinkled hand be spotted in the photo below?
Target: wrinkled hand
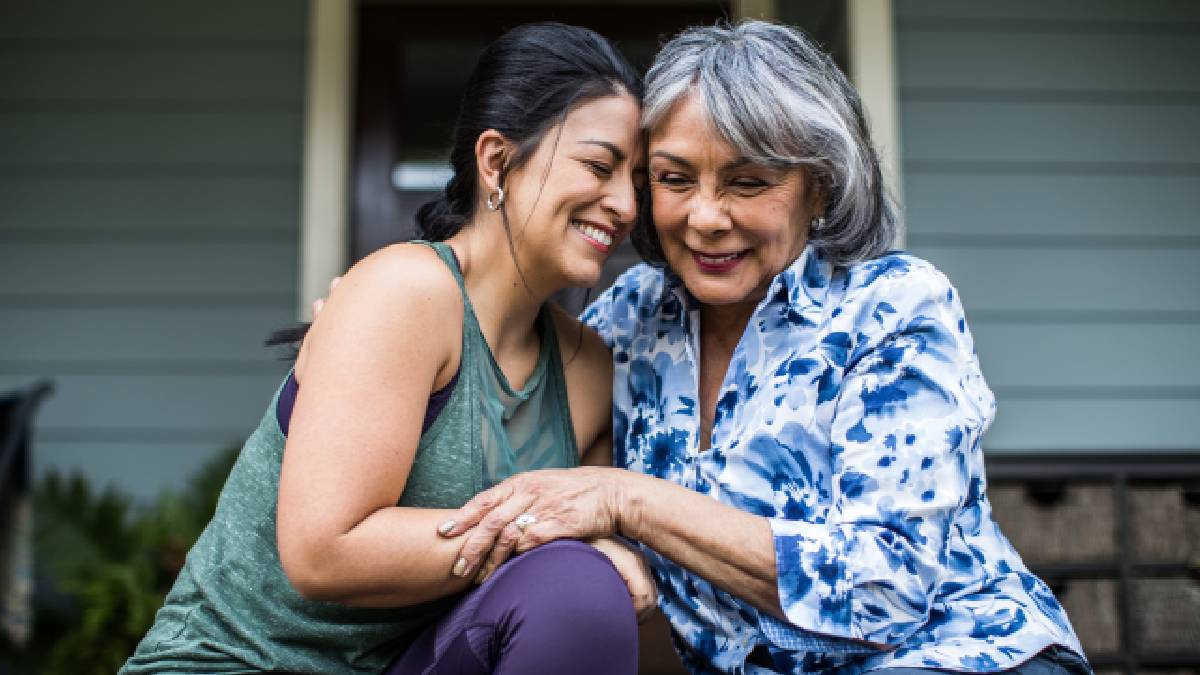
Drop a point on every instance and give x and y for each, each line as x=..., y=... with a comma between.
x=632, y=567
x=579, y=503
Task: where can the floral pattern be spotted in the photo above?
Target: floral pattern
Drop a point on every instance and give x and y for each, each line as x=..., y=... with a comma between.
x=850, y=417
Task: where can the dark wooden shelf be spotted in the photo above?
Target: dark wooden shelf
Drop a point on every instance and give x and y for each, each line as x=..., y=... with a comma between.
x=1048, y=478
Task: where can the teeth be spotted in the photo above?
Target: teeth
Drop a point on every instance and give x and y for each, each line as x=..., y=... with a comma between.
x=593, y=233
x=709, y=260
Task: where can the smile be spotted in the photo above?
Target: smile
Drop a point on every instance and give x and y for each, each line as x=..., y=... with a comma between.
x=718, y=263
x=710, y=260
x=596, y=236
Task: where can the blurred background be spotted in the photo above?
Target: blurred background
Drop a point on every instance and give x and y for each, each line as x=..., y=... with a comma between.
x=177, y=179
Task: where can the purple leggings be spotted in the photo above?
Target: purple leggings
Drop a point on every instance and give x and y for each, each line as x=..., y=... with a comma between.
x=560, y=608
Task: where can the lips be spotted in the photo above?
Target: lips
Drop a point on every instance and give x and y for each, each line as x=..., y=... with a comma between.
x=598, y=236
x=718, y=263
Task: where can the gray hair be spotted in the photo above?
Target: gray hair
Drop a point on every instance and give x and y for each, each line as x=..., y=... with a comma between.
x=780, y=100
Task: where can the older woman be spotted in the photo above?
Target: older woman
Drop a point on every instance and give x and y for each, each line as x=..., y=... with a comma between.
x=799, y=410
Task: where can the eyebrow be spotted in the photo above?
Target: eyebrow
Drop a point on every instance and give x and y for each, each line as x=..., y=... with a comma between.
x=727, y=166
x=736, y=163
x=672, y=158
x=617, y=153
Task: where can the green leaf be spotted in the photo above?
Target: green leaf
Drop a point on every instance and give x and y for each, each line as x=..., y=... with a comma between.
x=115, y=562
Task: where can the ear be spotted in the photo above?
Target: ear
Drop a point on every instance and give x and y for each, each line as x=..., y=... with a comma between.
x=492, y=151
x=814, y=194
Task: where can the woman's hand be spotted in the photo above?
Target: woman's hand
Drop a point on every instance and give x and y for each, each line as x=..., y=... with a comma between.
x=581, y=503
x=319, y=303
x=632, y=567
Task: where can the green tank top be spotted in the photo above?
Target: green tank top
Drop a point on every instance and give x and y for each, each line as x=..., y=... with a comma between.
x=232, y=608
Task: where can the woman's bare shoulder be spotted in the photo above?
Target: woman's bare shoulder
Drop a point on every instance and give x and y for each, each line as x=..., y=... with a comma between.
x=414, y=268
x=393, y=294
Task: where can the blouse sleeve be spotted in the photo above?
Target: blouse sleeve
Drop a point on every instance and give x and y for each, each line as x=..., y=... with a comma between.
x=907, y=417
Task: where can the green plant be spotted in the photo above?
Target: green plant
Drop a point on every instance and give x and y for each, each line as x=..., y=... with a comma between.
x=109, y=565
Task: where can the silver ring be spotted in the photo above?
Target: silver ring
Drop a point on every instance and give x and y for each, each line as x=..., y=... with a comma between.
x=524, y=520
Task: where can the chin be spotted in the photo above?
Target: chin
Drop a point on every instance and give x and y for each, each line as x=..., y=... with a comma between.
x=720, y=300
x=579, y=273
x=717, y=292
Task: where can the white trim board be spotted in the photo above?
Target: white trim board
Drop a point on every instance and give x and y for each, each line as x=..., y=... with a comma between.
x=325, y=207
x=873, y=71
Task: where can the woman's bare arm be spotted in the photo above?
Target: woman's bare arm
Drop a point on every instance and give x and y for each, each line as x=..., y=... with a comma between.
x=382, y=343
x=732, y=549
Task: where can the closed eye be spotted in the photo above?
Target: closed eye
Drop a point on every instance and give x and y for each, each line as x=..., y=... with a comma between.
x=672, y=180
x=748, y=183
x=599, y=168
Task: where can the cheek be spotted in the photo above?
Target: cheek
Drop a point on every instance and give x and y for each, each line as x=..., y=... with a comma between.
x=558, y=198
x=772, y=221
x=669, y=211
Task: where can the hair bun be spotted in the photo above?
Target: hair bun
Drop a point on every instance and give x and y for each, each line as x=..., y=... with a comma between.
x=436, y=219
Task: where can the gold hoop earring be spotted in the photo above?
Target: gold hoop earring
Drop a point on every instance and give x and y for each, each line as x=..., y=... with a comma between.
x=499, y=200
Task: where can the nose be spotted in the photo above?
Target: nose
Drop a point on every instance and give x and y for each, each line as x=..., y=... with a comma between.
x=622, y=201
x=708, y=215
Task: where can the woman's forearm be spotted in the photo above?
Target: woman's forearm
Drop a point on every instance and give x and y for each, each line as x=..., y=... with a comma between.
x=393, y=558
x=730, y=548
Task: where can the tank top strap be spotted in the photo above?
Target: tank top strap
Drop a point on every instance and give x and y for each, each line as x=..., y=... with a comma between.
x=558, y=383
x=443, y=250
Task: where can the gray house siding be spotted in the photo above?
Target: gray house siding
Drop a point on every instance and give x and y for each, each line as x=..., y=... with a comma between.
x=149, y=207
x=1051, y=169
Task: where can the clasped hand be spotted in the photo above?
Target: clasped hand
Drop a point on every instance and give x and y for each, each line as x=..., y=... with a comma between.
x=581, y=503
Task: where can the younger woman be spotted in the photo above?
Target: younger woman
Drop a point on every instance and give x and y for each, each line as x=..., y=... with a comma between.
x=436, y=370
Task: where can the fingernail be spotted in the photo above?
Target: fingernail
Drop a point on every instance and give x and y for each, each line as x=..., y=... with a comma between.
x=445, y=527
x=484, y=573
x=460, y=568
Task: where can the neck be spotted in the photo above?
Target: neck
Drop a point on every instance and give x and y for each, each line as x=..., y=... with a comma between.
x=505, y=303
x=725, y=324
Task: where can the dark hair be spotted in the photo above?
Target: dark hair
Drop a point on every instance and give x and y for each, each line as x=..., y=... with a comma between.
x=524, y=84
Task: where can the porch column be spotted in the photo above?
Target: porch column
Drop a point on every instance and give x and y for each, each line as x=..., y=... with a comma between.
x=324, y=212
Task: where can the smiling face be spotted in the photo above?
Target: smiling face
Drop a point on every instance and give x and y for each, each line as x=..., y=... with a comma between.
x=727, y=226
x=574, y=200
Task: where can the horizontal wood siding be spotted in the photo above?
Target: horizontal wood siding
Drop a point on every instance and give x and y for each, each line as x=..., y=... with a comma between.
x=1041, y=279
x=149, y=208
x=159, y=270
x=149, y=224
x=1052, y=170
x=187, y=406
x=94, y=337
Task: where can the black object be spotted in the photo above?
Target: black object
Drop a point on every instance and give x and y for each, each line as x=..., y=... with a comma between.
x=17, y=409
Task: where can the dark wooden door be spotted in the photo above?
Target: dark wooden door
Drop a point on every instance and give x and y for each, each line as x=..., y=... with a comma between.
x=411, y=67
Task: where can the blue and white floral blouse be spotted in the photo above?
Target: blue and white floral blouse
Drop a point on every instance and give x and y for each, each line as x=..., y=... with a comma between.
x=851, y=418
